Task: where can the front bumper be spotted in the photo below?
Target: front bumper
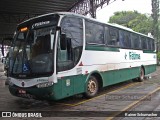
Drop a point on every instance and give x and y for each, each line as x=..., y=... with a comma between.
x=46, y=93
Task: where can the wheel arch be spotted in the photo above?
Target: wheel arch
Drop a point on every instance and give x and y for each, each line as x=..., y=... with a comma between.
x=98, y=76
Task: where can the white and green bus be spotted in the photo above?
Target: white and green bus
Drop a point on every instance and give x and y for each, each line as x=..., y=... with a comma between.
x=58, y=55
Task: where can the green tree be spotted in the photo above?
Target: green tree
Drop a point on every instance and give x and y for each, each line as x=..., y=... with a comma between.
x=141, y=24
x=123, y=17
x=134, y=20
x=158, y=56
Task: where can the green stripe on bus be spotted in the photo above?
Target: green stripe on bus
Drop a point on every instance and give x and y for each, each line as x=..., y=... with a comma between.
x=149, y=69
x=148, y=51
x=121, y=75
x=101, y=48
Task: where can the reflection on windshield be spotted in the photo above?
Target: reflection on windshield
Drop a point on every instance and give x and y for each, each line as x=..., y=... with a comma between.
x=32, y=52
x=41, y=46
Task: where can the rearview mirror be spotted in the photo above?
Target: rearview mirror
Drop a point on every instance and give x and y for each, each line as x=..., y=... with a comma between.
x=63, y=42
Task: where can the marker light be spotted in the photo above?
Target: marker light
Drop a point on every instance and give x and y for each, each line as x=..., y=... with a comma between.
x=23, y=29
x=81, y=64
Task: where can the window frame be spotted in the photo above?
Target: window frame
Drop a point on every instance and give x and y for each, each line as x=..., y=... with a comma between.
x=153, y=45
x=108, y=37
x=103, y=34
x=71, y=61
x=126, y=33
x=132, y=41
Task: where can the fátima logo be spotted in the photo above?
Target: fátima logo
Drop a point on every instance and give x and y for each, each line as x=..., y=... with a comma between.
x=134, y=56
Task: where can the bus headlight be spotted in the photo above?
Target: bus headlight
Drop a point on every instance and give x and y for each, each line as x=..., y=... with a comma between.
x=47, y=84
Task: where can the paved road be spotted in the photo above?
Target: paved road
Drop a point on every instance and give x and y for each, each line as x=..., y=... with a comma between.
x=114, y=98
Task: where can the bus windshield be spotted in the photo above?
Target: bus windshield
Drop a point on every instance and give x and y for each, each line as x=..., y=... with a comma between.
x=32, y=50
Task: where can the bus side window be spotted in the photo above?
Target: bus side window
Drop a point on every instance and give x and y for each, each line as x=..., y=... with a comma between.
x=113, y=37
x=122, y=39
x=144, y=43
x=136, y=44
x=106, y=34
x=94, y=33
x=127, y=39
x=149, y=44
x=153, y=45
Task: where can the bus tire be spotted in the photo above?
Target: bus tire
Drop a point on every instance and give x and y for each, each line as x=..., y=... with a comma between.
x=142, y=75
x=92, y=87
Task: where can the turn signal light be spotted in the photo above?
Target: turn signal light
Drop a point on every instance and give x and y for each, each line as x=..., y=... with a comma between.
x=23, y=29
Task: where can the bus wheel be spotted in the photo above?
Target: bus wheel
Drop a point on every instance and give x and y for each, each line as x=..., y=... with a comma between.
x=92, y=87
x=141, y=77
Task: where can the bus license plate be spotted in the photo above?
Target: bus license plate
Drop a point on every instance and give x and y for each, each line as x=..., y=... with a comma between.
x=22, y=91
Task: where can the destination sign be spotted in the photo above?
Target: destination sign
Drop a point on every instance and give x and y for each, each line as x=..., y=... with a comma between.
x=40, y=24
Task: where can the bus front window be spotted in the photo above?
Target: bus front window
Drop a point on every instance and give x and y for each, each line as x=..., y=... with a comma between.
x=32, y=52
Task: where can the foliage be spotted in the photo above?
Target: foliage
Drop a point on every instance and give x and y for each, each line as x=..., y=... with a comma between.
x=141, y=24
x=123, y=17
x=155, y=15
x=158, y=56
x=134, y=20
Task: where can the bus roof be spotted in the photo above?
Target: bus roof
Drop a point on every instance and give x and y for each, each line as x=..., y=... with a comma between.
x=92, y=19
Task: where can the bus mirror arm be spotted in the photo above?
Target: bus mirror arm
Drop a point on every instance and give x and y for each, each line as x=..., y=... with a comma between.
x=63, y=42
